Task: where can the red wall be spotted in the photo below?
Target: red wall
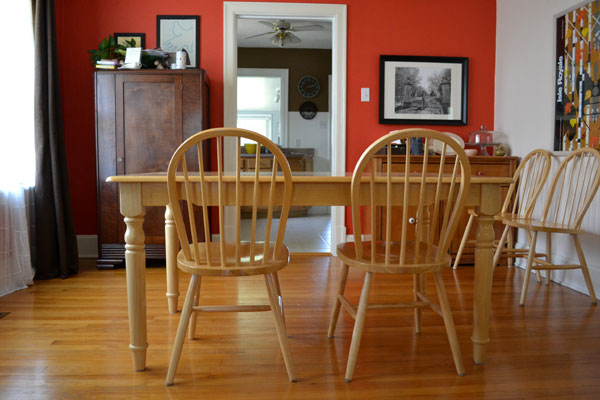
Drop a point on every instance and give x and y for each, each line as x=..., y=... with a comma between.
x=461, y=28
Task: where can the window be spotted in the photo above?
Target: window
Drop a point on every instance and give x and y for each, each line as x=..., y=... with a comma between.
x=17, y=152
x=262, y=102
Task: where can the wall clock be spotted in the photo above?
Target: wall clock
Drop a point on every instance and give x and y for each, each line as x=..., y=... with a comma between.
x=308, y=86
x=308, y=110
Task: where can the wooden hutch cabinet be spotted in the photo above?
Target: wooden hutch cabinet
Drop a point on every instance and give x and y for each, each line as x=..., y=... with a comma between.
x=142, y=116
x=480, y=166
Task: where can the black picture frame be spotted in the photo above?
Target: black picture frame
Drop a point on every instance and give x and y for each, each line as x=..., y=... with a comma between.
x=180, y=32
x=140, y=38
x=423, y=90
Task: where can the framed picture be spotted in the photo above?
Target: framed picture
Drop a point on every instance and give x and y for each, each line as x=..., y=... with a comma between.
x=179, y=32
x=423, y=90
x=577, y=90
x=140, y=38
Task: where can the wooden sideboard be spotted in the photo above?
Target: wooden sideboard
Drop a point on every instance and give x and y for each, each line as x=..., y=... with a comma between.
x=480, y=166
x=142, y=116
x=298, y=163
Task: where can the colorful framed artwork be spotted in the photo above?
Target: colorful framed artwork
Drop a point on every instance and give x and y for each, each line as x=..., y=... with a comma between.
x=140, y=38
x=577, y=73
x=179, y=32
x=423, y=90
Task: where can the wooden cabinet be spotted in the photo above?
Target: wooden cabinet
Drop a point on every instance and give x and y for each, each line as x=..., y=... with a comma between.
x=480, y=166
x=142, y=116
x=298, y=163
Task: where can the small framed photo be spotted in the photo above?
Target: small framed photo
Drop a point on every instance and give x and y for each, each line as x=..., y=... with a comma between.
x=179, y=32
x=423, y=90
x=140, y=38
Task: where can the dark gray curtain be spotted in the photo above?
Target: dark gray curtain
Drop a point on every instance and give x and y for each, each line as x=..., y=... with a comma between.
x=52, y=231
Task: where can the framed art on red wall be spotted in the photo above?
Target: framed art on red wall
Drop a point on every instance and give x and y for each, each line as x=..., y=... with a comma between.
x=423, y=90
x=179, y=32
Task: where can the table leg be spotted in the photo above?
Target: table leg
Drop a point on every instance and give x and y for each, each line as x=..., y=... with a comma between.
x=484, y=254
x=135, y=264
x=171, y=248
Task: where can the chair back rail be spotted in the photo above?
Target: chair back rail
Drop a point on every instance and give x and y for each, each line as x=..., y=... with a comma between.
x=195, y=191
x=423, y=208
x=528, y=181
x=573, y=188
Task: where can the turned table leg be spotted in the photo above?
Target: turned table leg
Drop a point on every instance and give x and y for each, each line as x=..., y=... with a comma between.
x=135, y=264
x=484, y=254
x=171, y=249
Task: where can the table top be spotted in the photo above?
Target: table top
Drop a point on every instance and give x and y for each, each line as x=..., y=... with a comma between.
x=297, y=177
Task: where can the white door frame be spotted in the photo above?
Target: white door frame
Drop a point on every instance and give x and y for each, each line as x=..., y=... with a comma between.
x=336, y=13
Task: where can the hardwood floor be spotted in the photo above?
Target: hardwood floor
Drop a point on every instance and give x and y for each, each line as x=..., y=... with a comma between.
x=68, y=339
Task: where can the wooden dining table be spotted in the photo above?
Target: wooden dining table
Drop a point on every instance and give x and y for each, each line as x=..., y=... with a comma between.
x=150, y=190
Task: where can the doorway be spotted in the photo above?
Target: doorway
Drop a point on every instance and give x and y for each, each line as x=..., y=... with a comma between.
x=336, y=14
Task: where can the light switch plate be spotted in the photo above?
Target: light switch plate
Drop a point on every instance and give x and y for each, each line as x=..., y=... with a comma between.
x=364, y=94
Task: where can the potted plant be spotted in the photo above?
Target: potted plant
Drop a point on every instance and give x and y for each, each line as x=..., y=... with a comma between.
x=109, y=49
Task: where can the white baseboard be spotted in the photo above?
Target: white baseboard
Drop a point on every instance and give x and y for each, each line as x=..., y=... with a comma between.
x=87, y=245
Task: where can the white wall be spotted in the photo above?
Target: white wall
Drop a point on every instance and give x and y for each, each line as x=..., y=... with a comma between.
x=524, y=107
x=312, y=133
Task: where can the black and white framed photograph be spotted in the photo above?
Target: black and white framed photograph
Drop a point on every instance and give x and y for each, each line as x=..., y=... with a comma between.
x=179, y=32
x=423, y=90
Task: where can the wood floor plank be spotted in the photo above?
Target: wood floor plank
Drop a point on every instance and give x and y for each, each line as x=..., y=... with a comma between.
x=68, y=339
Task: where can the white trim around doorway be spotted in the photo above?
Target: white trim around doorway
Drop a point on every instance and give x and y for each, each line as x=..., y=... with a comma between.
x=337, y=14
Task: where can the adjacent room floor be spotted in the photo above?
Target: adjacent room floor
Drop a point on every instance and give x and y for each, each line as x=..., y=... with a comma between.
x=308, y=234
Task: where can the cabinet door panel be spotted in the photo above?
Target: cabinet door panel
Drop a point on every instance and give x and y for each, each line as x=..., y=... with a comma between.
x=141, y=118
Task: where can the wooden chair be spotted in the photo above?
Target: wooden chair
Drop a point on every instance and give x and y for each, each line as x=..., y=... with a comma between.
x=571, y=192
x=188, y=194
x=523, y=192
x=431, y=206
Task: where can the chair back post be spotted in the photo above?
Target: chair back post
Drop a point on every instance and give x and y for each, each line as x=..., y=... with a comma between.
x=195, y=189
x=573, y=188
x=415, y=193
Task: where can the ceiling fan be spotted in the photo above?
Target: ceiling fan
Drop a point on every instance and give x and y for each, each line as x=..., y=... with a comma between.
x=282, y=32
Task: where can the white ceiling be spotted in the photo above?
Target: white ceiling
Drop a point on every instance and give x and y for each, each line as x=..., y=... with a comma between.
x=310, y=39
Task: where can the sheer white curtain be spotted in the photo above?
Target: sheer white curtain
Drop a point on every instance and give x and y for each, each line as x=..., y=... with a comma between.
x=17, y=157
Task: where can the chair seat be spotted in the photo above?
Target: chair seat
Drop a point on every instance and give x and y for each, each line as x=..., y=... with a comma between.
x=471, y=211
x=245, y=268
x=537, y=225
x=425, y=263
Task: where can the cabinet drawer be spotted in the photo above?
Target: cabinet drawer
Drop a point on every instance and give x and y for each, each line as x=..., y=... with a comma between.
x=265, y=164
x=487, y=169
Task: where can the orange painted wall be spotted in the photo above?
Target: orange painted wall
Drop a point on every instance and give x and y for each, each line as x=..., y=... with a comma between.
x=462, y=28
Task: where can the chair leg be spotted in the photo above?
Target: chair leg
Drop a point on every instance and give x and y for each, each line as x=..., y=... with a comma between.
x=463, y=241
x=538, y=273
x=530, y=257
x=584, y=268
x=183, y=322
x=358, y=326
x=192, y=326
x=280, y=327
x=449, y=323
x=337, y=302
x=419, y=287
x=548, y=255
x=279, y=297
x=500, y=246
x=511, y=245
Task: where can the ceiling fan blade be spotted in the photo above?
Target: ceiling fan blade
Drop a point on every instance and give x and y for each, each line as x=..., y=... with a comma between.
x=269, y=24
x=292, y=38
x=260, y=34
x=307, y=28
